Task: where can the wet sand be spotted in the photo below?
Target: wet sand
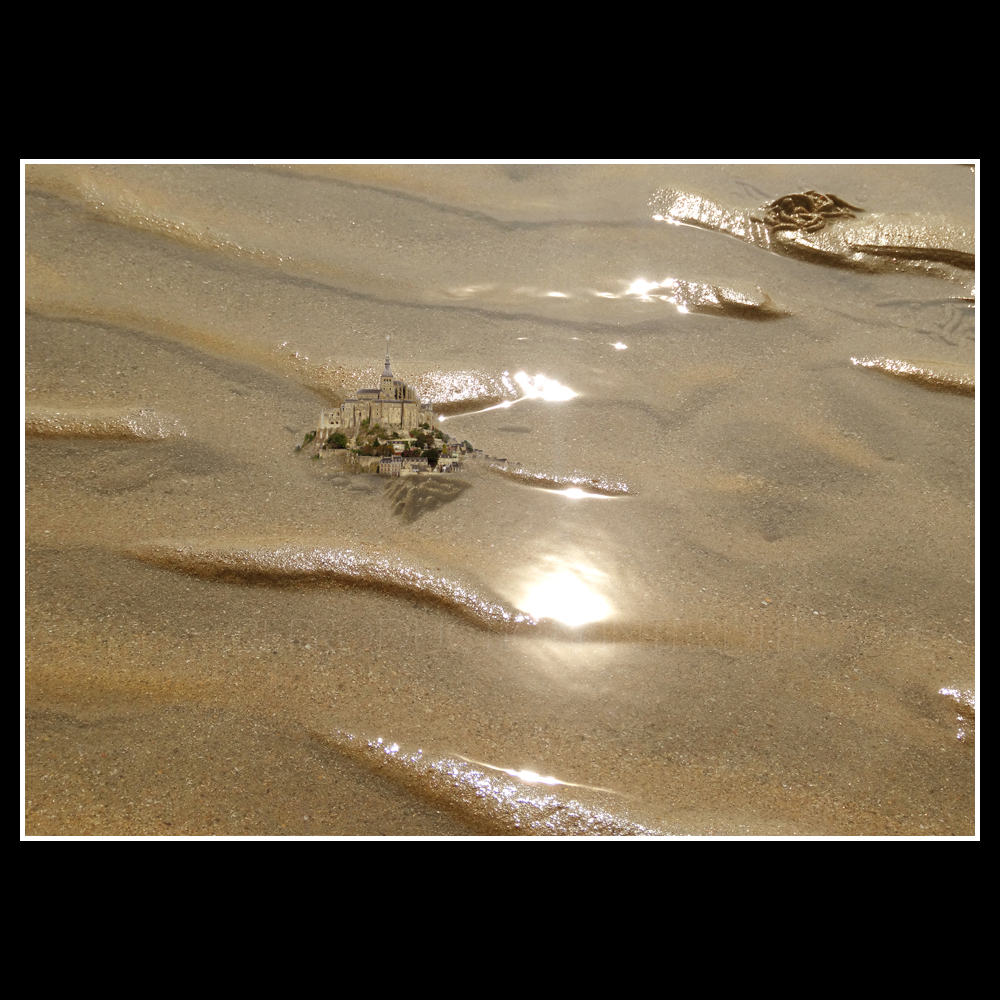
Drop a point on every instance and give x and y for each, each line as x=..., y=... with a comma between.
x=767, y=627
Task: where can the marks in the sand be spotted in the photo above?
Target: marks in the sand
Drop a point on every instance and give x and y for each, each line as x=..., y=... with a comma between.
x=952, y=320
x=943, y=376
x=141, y=425
x=934, y=241
x=822, y=228
x=410, y=499
x=808, y=212
x=285, y=565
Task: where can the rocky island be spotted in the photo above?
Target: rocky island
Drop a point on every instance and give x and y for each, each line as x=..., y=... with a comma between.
x=388, y=431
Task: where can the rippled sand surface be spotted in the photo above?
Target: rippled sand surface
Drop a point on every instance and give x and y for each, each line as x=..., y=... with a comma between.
x=722, y=584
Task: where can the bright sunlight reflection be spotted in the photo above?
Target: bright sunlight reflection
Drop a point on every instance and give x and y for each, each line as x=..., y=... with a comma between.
x=575, y=493
x=541, y=387
x=564, y=596
x=533, y=777
x=538, y=387
x=640, y=286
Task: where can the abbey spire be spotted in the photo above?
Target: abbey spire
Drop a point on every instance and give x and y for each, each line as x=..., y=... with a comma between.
x=388, y=371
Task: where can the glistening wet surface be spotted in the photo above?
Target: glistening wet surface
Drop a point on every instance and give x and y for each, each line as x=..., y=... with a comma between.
x=713, y=572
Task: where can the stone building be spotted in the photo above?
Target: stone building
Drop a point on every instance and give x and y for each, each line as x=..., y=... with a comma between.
x=393, y=404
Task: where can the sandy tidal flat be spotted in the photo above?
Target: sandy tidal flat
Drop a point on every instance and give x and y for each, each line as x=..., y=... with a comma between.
x=759, y=620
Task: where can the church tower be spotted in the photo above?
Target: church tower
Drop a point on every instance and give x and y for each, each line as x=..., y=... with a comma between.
x=387, y=389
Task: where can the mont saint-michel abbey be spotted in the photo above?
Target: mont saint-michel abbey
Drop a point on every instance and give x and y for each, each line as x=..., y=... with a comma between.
x=393, y=404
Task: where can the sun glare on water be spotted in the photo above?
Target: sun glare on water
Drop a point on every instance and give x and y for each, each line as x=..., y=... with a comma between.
x=565, y=597
x=541, y=387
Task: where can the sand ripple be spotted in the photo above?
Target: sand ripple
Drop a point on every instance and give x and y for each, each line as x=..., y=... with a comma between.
x=514, y=801
x=143, y=425
x=941, y=375
x=596, y=485
x=290, y=564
